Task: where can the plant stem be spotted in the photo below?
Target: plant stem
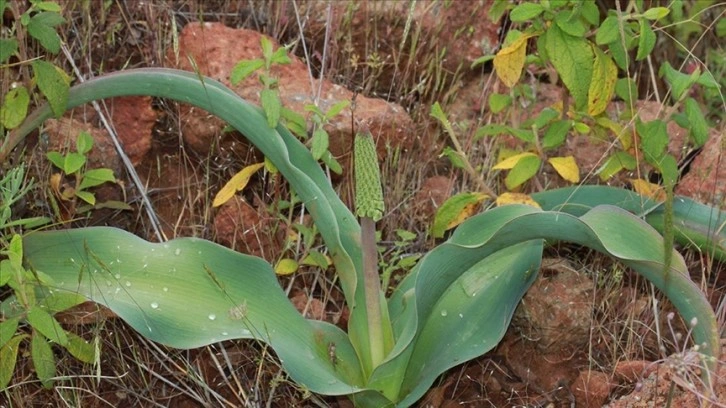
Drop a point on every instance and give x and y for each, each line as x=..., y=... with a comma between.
x=372, y=290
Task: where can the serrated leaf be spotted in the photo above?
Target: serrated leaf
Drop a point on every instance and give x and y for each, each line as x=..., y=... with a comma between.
x=8, y=358
x=84, y=142
x=43, y=360
x=320, y=143
x=286, y=266
x=626, y=89
x=570, y=24
x=271, y=105
x=646, y=41
x=678, y=81
x=525, y=12
x=235, y=184
x=509, y=61
x=572, y=57
x=613, y=164
x=566, y=167
x=608, y=32
x=556, y=134
x=295, y=122
x=81, y=349
x=96, y=177
x=648, y=189
x=332, y=164
x=619, y=54
x=73, y=162
x=524, y=170
x=668, y=167
x=52, y=84
x=602, y=87
x=14, y=108
x=266, y=46
x=653, y=139
x=656, y=13
x=8, y=47
x=512, y=161
x=244, y=69
x=454, y=211
x=336, y=109
x=280, y=56
x=6, y=271
x=41, y=28
x=697, y=122
x=516, y=198
x=8, y=329
x=46, y=324
x=499, y=102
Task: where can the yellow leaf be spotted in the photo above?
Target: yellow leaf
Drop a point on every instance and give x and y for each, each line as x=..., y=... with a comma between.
x=510, y=162
x=509, y=61
x=648, y=189
x=286, y=266
x=467, y=211
x=516, y=198
x=235, y=184
x=566, y=167
x=602, y=86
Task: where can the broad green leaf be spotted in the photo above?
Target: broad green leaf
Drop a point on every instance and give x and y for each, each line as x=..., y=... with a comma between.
x=653, y=139
x=524, y=170
x=280, y=56
x=602, y=87
x=81, y=349
x=544, y=118
x=581, y=127
x=14, y=107
x=678, y=81
x=271, y=105
x=525, y=12
x=331, y=163
x=57, y=159
x=556, y=134
x=509, y=61
x=668, y=168
x=8, y=47
x=590, y=12
x=566, y=167
x=456, y=159
x=609, y=31
x=616, y=162
x=619, y=54
x=698, y=125
x=315, y=258
x=707, y=80
x=320, y=143
x=96, y=177
x=499, y=102
x=572, y=57
x=497, y=10
x=454, y=211
x=43, y=360
x=189, y=292
x=6, y=272
x=286, y=266
x=41, y=28
x=47, y=6
x=237, y=183
x=646, y=41
x=8, y=358
x=8, y=329
x=244, y=69
x=295, y=122
x=46, y=324
x=73, y=162
x=266, y=46
x=491, y=129
x=656, y=13
x=512, y=161
x=53, y=84
x=84, y=142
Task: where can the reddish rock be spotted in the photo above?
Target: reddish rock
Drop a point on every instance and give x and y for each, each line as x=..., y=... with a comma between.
x=241, y=227
x=633, y=370
x=313, y=308
x=591, y=389
x=557, y=309
x=216, y=49
x=61, y=134
x=706, y=179
x=133, y=119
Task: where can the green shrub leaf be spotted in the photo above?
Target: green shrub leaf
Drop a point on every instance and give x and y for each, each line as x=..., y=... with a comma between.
x=656, y=13
x=608, y=32
x=646, y=41
x=602, y=87
x=46, y=324
x=454, y=211
x=320, y=143
x=41, y=28
x=525, y=12
x=697, y=122
x=524, y=170
x=7, y=330
x=14, y=108
x=53, y=84
x=616, y=162
x=96, y=177
x=84, y=142
x=572, y=57
x=43, y=360
x=8, y=358
x=8, y=47
x=556, y=134
x=271, y=105
x=245, y=68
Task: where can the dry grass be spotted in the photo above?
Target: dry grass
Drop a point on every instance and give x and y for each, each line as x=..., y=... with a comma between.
x=632, y=321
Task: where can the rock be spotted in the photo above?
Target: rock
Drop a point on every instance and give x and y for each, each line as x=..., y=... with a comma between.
x=133, y=119
x=591, y=389
x=216, y=49
x=706, y=179
x=433, y=192
x=241, y=227
x=314, y=308
x=556, y=312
